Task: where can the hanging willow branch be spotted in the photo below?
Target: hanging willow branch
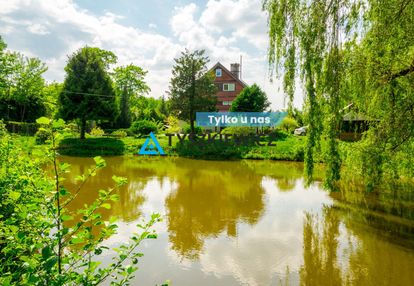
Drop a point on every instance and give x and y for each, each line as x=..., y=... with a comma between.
x=307, y=36
x=344, y=51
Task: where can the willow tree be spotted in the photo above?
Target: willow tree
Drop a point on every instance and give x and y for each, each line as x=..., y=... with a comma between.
x=348, y=51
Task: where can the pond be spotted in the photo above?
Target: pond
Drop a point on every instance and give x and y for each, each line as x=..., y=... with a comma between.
x=253, y=223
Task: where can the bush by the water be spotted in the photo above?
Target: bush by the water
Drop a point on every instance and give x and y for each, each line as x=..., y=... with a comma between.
x=278, y=134
x=143, y=127
x=22, y=128
x=242, y=130
x=3, y=130
x=96, y=131
x=289, y=124
x=41, y=136
x=213, y=150
x=91, y=147
x=119, y=133
x=187, y=129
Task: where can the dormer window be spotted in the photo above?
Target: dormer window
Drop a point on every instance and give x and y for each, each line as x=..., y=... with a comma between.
x=218, y=72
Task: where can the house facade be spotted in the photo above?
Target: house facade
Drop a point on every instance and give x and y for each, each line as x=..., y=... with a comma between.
x=228, y=84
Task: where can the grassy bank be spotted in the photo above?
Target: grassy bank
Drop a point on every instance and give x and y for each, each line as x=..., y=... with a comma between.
x=289, y=148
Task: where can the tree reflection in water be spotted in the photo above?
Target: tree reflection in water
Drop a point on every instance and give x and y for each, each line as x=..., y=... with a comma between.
x=363, y=258
x=210, y=199
x=320, y=243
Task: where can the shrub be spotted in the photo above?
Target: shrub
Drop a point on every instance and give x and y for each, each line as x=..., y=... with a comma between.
x=289, y=124
x=72, y=127
x=119, y=133
x=96, y=131
x=242, y=130
x=214, y=150
x=41, y=136
x=3, y=130
x=299, y=153
x=91, y=147
x=42, y=241
x=172, y=124
x=22, y=128
x=143, y=127
x=71, y=130
x=197, y=129
x=278, y=134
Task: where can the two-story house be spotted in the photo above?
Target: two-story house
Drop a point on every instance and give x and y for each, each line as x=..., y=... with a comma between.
x=228, y=83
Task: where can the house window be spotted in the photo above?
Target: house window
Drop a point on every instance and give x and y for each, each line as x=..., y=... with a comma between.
x=229, y=87
x=227, y=102
x=218, y=72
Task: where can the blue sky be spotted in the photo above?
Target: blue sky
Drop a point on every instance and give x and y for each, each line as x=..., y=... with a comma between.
x=147, y=33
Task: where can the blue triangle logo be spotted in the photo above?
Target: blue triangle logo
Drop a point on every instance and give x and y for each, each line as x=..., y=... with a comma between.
x=151, y=146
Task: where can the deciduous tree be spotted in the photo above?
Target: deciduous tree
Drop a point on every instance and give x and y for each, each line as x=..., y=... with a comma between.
x=87, y=90
x=130, y=85
x=251, y=99
x=21, y=86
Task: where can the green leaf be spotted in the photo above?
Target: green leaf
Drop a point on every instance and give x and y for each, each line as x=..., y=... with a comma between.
x=64, y=192
x=60, y=123
x=46, y=252
x=106, y=206
x=14, y=195
x=99, y=162
x=114, y=197
x=98, y=251
x=51, y=262
x=77, y=240
x=102, y=193
x=43, y=120
x=66, y=217
x=131, y=269
x=119, y=180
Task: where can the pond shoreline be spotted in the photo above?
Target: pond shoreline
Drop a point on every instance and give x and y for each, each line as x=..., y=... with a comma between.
x=286, y=149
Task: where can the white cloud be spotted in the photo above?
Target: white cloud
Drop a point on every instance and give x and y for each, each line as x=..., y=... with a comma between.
x=244, y=19
x=226, y=29
x=38, y=29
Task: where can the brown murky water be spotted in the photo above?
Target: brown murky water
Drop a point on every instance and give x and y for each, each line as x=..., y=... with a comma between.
x=254, y=223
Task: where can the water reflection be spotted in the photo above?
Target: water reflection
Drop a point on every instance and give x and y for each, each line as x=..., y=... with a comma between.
x=338, y=251
x=211, y=198
x=131, y=198
x=320, y=245
x=254, y=223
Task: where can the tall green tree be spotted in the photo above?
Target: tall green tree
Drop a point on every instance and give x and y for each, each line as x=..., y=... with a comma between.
x=192, y=88
x=21, y=86
x=163, y=107
x=124, y=119
x=130, y=85
x=3, y=45
x=349, y=51
x=51, y=92
x=251, y=99
x=87, y=90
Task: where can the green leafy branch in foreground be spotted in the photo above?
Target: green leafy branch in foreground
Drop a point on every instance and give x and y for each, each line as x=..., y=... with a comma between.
x=41, y=242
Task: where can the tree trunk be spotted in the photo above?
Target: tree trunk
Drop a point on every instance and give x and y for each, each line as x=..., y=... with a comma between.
x=192, y=125
x=83, y=128
x=192, y=95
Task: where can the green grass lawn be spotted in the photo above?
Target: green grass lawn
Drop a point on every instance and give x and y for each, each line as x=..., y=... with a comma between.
x=289, y=148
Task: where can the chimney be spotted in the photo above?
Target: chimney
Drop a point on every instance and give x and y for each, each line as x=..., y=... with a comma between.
x=235, y=69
